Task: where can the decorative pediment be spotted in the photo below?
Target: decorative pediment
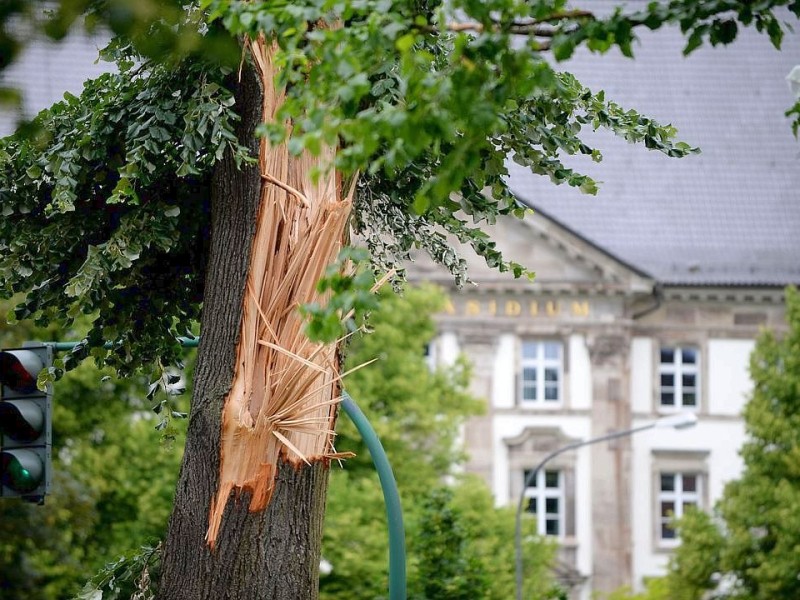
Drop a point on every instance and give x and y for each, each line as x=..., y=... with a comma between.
x=535, y=440
x=563, y=261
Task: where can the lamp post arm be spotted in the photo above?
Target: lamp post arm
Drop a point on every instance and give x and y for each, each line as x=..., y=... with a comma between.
x=532, y=477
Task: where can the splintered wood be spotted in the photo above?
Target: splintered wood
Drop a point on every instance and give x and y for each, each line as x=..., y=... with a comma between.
x=281, y=404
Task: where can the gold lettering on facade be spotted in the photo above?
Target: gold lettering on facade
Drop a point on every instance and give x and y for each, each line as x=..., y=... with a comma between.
x=513, y=308
x=580, y=309
x=472, y=308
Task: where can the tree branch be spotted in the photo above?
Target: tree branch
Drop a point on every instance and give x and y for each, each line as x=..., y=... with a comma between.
x=563, y=16
x=532, y=27
x=519, y=28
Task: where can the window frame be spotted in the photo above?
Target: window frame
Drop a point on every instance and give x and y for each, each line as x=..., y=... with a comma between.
x=541, y=363
x=527, y=450
x=680, y=500
x=540, y=492
x=674, y=460
x=678, y=369
x=430, y=354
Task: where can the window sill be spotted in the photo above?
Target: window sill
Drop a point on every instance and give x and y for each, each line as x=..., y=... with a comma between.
x=672, y=410
x=569, y=541
x=666, y=546
x=539, y=406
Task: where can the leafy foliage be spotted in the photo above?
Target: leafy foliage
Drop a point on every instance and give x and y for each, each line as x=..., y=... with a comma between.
x=694, y=568
x=105, y=197
x=128, y=578
x=446, y=567
x=794, y=113
x=655, y=589
x=489, y=531
x=104, y=209
x=158, y=29
x=349, y=284
x=41, y=552
x=426, y=112
x=749, y=549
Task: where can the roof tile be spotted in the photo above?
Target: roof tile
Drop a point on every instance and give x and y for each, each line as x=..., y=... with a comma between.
x=728, y=216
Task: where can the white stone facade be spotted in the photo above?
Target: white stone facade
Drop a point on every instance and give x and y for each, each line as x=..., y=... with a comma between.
x=607, y=325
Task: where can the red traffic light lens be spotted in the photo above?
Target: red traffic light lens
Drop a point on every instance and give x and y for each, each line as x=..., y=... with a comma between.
x=15, y=375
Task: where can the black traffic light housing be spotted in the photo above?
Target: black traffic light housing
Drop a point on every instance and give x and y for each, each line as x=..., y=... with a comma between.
x=25, y=423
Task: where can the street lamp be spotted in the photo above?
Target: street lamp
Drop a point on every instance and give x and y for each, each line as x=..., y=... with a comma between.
x=677, y=421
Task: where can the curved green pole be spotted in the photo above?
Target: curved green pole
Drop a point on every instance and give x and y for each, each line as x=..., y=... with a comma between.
x=394, y=512
x=64, y=346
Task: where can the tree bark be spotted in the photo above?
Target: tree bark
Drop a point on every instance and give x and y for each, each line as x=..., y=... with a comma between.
x=270, y=554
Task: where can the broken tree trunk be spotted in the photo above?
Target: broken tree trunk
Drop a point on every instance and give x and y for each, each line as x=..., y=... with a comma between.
x=247, y=520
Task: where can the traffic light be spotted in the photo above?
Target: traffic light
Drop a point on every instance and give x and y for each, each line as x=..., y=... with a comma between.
x=25, y=423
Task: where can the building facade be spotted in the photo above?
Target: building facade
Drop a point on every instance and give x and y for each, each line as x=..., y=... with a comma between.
x=647, y=302
x=594, y=346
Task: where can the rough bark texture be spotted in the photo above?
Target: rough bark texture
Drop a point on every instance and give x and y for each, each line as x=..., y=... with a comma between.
x=264, y=555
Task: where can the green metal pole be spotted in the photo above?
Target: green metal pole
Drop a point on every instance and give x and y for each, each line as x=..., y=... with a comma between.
x=394, y=512
x=65, y=346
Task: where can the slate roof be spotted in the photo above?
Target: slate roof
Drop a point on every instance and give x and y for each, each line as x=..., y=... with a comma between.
x=46, y=70
x=730, y=216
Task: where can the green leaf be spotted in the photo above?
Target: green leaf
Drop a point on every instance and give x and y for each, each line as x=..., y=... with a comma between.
x=695, y=40
x=421, y=203
x=724, y=32
x=405, y=42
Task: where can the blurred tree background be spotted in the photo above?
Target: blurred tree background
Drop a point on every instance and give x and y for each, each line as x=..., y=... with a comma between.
x=115, y=473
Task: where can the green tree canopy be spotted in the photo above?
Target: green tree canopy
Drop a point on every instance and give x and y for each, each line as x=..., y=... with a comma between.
x=106, y=206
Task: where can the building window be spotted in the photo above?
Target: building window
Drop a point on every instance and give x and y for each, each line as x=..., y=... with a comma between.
x=679, y=377
x=545, y=501
x=678, y=492
x=542, y=372
x=430, y=355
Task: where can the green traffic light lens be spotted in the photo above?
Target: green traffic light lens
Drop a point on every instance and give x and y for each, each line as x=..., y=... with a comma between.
x=21, y=470
x=20, y=477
